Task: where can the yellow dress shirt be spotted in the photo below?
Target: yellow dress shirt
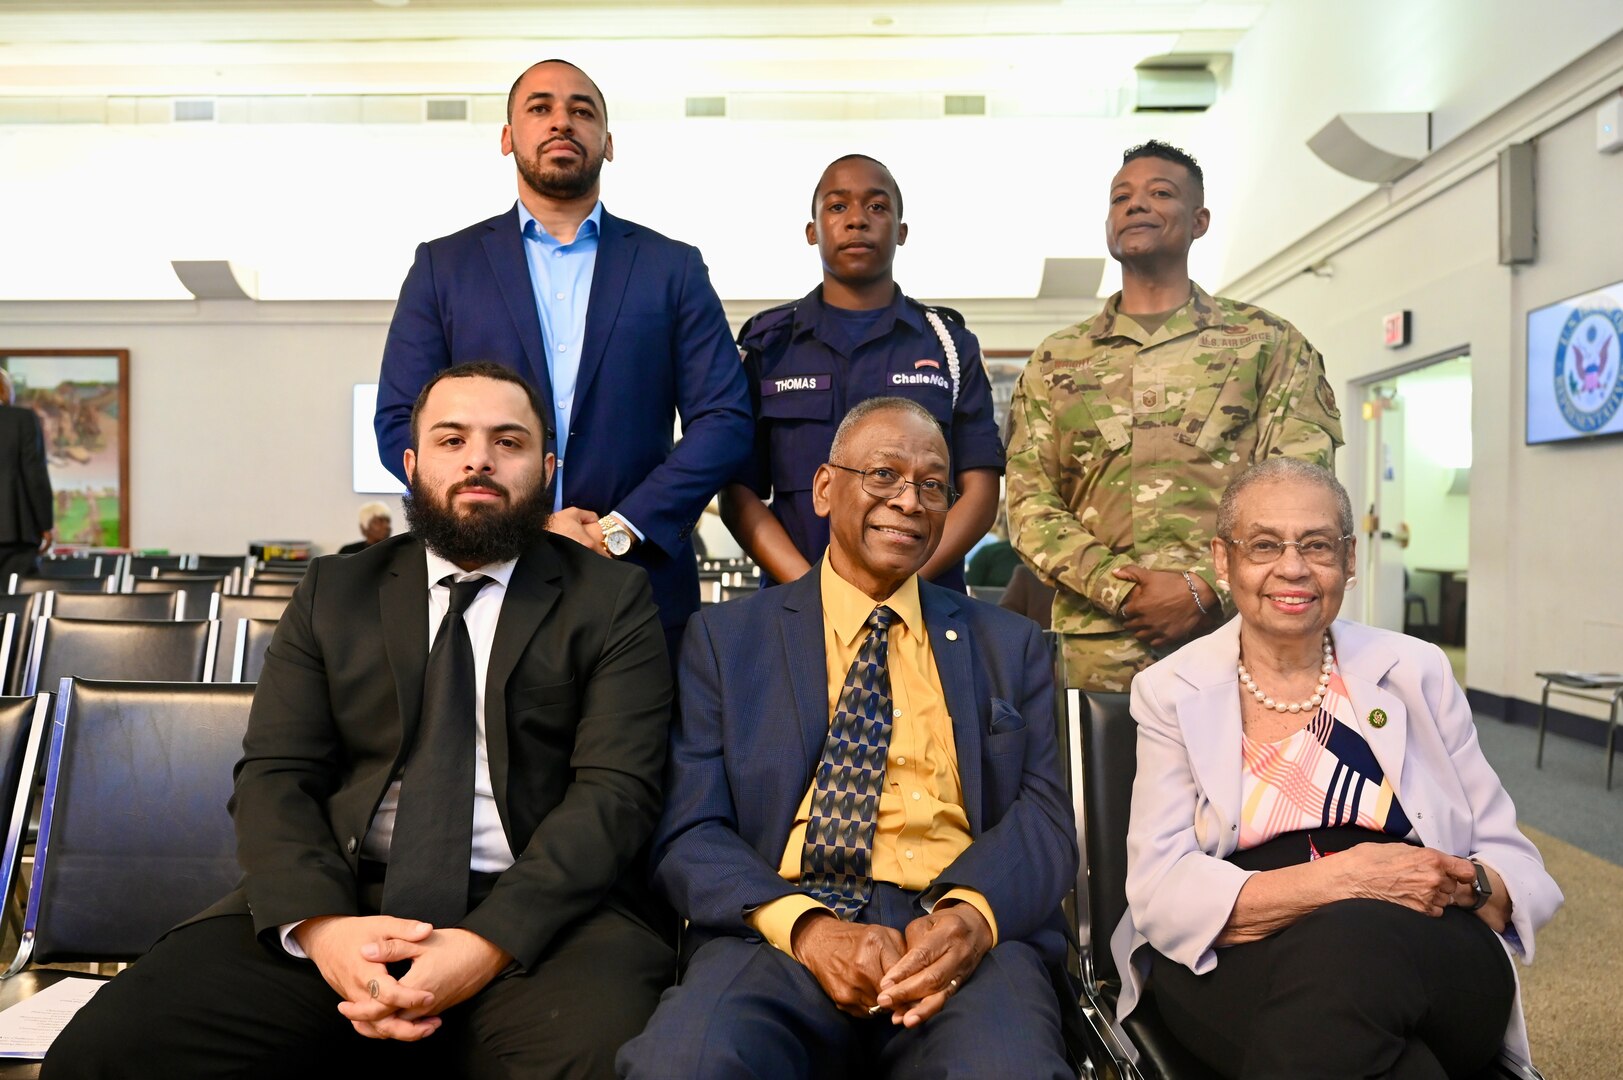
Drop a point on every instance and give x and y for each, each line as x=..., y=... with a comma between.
x=922, y=826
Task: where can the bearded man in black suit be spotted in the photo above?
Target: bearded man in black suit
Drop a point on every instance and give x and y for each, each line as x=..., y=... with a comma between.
x=543, y=708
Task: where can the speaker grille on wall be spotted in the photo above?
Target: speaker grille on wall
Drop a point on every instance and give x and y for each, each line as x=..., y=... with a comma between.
x=1518, y=221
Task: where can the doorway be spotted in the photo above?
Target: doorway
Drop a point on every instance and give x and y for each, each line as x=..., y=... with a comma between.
x=1417, y=536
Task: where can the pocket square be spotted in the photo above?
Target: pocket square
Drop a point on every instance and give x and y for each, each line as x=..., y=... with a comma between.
x=1005, y=717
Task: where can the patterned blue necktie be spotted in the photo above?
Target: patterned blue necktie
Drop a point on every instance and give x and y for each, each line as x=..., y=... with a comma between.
x=836, y=865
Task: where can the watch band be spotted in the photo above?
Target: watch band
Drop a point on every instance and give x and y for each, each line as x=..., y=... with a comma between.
x=1481, y=887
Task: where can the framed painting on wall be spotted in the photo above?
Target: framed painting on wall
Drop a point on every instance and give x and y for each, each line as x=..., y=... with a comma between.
x=82, y=399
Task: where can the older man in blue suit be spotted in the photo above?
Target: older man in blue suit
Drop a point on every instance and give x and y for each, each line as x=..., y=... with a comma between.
x=865, y=822
x=615, y=325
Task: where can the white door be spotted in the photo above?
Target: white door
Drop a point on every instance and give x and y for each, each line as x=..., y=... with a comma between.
x=1381, y=560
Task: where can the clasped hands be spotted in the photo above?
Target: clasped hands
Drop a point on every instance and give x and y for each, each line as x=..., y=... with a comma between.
x=448, y=966
x=1160, y=612
x=869, y=969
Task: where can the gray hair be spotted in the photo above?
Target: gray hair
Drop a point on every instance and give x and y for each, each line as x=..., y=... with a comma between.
x=1284, y=468
x=868, y=407
x=371, y=510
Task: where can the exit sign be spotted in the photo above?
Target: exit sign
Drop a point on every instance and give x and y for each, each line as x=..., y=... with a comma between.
x=1395, y=330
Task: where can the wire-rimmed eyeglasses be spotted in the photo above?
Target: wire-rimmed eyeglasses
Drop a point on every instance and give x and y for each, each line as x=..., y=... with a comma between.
x=1318, y=550
x=885, y=483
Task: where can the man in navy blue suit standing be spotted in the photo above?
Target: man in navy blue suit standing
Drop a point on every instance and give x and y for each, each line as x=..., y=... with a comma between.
x=617, y=326
x=864, y=821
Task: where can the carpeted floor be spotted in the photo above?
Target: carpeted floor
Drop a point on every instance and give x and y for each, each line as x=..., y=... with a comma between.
x=1570, y=992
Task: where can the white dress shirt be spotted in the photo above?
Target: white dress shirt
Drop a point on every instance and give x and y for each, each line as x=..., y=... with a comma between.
x=491, y=851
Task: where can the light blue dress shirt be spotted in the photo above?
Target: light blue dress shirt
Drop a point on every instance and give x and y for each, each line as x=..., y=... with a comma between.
x=561, y=278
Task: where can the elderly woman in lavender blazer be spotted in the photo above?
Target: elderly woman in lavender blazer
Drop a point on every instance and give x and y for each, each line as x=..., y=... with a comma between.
x=1325, y=877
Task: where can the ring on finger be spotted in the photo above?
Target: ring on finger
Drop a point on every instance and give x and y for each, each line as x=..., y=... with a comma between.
x=372, y=988
x=952, y=987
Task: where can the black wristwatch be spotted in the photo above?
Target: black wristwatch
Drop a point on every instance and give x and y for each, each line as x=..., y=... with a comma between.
x=1481, y=888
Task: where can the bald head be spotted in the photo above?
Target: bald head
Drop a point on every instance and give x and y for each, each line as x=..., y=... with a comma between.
x=512, y=93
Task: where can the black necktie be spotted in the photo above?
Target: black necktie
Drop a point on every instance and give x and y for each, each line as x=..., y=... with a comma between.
x=432, y=846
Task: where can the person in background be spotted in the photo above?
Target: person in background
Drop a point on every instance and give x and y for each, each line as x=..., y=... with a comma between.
x=375, y=526
x=1324, y=874
x=856, y=336
x=1127, y=427
x=27, y=508
x=616, y=326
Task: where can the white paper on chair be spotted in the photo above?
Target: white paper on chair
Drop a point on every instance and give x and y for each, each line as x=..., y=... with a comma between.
x=28, y=1028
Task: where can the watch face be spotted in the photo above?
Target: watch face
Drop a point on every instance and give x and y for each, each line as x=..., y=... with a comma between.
x=618, y=542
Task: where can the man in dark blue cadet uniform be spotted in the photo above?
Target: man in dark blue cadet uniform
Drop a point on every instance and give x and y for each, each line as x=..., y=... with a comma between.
x=855, y=337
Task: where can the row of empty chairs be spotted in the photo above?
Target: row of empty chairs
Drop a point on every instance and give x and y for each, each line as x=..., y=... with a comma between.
x=129, y=844
x=145, y=573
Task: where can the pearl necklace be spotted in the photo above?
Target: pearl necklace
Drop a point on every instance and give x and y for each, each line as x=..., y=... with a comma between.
x=1311, y=703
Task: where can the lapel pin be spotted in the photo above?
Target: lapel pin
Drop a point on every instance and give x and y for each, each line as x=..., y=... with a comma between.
x=1377, y=718
x=952, y=635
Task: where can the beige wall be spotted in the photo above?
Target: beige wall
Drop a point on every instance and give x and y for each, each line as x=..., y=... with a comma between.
x=1543, y=519
x=239, y=412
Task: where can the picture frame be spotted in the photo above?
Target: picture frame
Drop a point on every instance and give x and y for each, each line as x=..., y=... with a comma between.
x=1003, y=368
x=82, y=399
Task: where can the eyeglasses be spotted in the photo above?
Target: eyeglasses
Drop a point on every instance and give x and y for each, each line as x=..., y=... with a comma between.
x=1318, y=550
x=883, y=483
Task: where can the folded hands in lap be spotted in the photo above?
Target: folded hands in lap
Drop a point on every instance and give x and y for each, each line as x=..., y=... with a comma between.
x=867, y=969
x=447, y=967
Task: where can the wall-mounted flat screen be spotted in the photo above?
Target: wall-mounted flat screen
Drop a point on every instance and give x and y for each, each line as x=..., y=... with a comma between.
x=370, y=477
x=1574, y=353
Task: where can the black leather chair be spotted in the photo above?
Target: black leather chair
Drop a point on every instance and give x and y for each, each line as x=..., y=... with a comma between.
x=25, y=724
x=232, y=610
x=253, y=637
x=143, y=565
x=263, y=585
x=121, y=606
x=165, y=651
x=220, y=564
x=74, y=566
x=19, y=608
x=129, y=843
x=1103, y=760
x=61, y=584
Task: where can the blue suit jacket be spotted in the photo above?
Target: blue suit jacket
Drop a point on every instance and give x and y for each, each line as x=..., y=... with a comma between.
x=753, y=720
x=657, y=347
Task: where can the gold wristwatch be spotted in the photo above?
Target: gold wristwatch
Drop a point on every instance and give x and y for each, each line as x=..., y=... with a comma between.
x=617, y=539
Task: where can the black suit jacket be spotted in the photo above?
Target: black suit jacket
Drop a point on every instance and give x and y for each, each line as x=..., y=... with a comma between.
x=26, y=505
x=577, y=712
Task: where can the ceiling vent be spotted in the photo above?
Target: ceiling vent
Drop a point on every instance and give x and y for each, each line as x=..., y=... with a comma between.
x=194, y=110
x=964, y=105
x=705, y=106
x=446, y=110
x=1174, y=89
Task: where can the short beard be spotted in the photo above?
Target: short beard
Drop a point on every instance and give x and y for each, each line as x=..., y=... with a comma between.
x=561, y=184
x=483, y=534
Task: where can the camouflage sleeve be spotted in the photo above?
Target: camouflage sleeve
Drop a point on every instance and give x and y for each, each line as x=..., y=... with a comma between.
x=1049, y=537
x=1299, y=414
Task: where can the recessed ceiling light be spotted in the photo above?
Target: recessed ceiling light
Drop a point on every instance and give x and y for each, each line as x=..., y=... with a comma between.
x=391, y=3
x=884, y=20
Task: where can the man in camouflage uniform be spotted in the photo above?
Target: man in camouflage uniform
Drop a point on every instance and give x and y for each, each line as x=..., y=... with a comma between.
x=1126, y=429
